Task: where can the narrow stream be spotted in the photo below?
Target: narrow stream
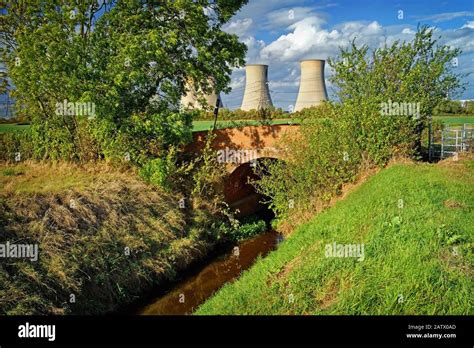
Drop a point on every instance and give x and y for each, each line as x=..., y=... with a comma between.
x=188, y=294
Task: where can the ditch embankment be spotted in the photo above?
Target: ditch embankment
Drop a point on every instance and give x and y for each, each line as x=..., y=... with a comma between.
x=104, y=238
x=109, y=243
x=410, y=230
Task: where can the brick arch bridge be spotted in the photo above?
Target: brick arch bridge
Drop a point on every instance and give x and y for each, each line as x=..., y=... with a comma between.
x=240, y=149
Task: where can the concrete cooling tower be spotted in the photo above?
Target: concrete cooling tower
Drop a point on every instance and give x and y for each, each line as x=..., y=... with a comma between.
x=312, y=86
x=257, y=94
x=190, y=99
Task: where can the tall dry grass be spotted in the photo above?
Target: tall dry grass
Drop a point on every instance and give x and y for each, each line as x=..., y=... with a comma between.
x=104, y=237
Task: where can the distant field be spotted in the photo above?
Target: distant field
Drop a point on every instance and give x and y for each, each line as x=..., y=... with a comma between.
x=7, y=128
x=455, y=119
x=206, y=125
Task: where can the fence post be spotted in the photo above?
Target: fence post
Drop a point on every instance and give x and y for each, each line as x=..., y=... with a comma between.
x=456, y=146
x=464, y=148
x=430, y=135
x=216, y=111
x=442, y=144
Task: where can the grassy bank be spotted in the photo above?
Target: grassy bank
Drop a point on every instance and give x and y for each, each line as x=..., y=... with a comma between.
x=104, y=237
x=416, y=223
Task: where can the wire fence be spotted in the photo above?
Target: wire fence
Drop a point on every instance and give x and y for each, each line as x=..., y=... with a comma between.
x=451, y=140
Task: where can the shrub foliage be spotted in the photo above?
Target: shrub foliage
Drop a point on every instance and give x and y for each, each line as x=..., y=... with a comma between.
x=339, y=139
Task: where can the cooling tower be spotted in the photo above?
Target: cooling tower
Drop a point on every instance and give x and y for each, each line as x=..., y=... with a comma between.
x=190, y=99
x=256, y=95
x=312, y=86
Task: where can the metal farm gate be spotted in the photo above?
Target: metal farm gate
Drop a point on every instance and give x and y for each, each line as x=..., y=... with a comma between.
x=450, y=141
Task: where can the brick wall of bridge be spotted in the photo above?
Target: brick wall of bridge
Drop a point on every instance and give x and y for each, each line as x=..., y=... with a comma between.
x=262, y=140
x=247, y=138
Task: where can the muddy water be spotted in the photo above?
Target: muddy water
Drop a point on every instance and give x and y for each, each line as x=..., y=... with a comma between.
x=187, y=295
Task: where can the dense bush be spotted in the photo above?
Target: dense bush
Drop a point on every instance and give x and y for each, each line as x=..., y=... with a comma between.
x=319, y=160
x=240, y=230
x=13, y=143
x=159, y=171
x=469, y=107
x=339, y=140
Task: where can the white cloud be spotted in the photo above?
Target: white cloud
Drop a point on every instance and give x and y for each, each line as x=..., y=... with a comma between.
x=238, y=82
x=408, y=31
x=306, y=33
x=254, y=47
x=239, y=26
x=283, y=18
x=309, y=40
x=469, y=25
x=291, y=83
x=447, y=16
x=373, y=28
x=460, y=38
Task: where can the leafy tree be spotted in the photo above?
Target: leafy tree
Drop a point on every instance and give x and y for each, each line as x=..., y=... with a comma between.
x=419, y=71
x=130, y=59
x=339, y=140
x=469, y=107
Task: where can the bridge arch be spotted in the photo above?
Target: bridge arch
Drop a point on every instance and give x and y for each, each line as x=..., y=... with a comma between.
x=239, y=193
x=234, y=147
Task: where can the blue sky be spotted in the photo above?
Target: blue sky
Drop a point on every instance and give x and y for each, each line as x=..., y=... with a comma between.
x=282, y=32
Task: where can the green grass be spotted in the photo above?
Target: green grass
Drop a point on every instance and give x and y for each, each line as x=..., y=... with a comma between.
x=207, y=125
x=410, y=264
x=11, y=127
x=455, y=119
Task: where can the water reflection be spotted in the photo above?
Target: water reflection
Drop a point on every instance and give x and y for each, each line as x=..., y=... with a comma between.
x=187, y=295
